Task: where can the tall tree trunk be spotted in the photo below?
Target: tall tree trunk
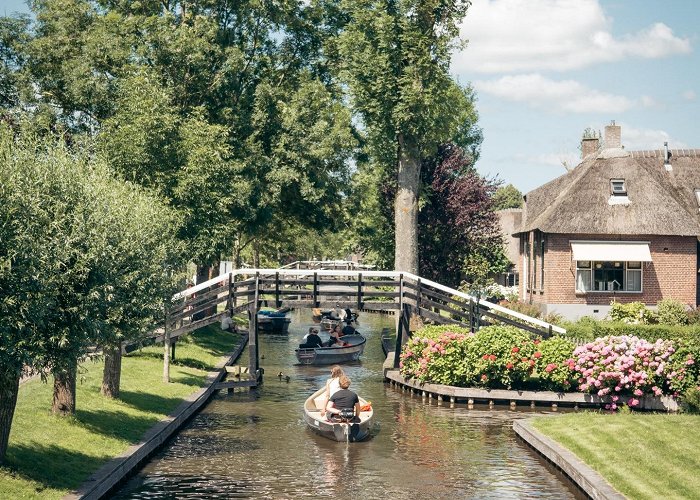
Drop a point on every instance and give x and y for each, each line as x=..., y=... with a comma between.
x=112, y=372
x=406, y=208
x=256, y=255
x=9, y=387
x=64, y=379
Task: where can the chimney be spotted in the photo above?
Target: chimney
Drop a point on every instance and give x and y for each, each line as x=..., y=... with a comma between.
x=613, y=136
x=667, y=158
x=589, y=145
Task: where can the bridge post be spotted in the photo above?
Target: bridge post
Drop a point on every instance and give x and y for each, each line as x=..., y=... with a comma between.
x=359, y=292
x=315, y=290
x=277, y=289
x=403, y=327
x=166, y=349
x=253, y=328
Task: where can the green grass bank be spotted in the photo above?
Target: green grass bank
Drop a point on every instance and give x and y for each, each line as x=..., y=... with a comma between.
x=49, y=456
x=643, y=456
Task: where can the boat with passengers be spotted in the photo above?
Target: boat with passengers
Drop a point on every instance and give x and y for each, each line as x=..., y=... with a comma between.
x=348, y=429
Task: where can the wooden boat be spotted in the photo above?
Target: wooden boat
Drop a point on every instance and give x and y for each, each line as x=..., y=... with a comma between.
x=274, y=321
x=356, y=431
x=329, y=315
x=333, y=355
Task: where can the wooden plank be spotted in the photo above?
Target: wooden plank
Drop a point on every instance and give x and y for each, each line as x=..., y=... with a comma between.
x=232, y=384
x=440, y=319
x=445, y=308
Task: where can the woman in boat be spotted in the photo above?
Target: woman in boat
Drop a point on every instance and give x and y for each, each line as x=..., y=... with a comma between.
x=332, y=386
x=335, y=340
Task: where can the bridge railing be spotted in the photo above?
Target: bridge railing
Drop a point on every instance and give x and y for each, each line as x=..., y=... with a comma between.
x=362, y=289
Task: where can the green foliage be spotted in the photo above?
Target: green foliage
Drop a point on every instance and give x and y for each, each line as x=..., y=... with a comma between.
x=671, y=312
x=691, y=400
x=631, y=312
x=495, y=357
x=507, y=197
x=552, y=368
x=86, y=256
x=589, y=328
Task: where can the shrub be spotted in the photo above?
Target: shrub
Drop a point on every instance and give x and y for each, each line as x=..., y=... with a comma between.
x=500, y=357
x=522, y=307
x=671, y=312
x=691, y=400
x=554, y=369
x=436, y=354
x=633, y=313
x=625, y=365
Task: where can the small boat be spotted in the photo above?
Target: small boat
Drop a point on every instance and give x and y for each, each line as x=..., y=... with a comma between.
x=274, y=321
x=337, y=431
x=331, y=315
x=333, y=355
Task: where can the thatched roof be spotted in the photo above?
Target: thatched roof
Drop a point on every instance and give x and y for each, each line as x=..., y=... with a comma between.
x=660, y=202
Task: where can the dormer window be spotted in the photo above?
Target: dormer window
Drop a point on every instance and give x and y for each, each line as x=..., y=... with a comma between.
x=618, y=187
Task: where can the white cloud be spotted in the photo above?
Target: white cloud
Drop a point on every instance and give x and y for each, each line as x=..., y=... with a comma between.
x=563, y=95
x=689, y=95
x=529, y=35
x=635, y=139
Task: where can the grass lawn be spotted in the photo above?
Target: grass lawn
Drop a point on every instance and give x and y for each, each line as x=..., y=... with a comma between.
x=642, y=455
x=48, y=456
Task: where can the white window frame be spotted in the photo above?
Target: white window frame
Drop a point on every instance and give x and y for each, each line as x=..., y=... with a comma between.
x=581, y=268
x=622, y=191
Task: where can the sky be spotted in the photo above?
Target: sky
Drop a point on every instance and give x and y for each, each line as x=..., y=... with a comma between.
x=545, y=70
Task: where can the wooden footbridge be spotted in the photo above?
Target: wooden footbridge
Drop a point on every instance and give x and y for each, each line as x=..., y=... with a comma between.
x=405, y=294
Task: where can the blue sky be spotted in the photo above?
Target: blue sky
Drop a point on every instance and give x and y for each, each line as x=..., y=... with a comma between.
x=545, y=70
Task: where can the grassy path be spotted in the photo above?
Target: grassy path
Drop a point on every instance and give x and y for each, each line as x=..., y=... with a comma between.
x=644, y=456
x=49, y=456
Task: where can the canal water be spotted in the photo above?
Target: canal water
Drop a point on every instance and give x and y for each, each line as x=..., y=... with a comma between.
x=256, y=444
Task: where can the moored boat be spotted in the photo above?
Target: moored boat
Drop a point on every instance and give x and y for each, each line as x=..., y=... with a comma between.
x=357, y=430
x=274, y=321
x=335, y=354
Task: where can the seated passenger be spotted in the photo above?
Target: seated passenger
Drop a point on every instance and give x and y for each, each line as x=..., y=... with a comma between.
x=348, y=330
x=343, y=400
x=311, y=340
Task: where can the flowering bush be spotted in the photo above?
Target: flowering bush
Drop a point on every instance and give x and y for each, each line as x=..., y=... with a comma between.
x=436, y=354
x=506, y=357
x=495, y=356
x=555, y=369
x=627, y=365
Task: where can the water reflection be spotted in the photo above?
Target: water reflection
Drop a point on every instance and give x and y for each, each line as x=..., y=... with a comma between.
x=256, y=444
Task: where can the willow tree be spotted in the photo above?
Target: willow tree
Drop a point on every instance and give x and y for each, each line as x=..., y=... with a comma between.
x=395, y=58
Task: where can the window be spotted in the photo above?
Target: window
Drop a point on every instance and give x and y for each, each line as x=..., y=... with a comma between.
x=609, y=276
x=617, y=187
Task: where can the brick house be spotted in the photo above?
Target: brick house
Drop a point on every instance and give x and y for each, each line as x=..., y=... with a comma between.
x=622, y=226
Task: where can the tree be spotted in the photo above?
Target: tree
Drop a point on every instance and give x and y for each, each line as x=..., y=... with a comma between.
x=74, y=241
x=507, y=197
x=233, y=92
x=456, y=220
x=395, y=59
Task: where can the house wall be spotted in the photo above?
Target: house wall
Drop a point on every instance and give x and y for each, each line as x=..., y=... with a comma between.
x=671, y=274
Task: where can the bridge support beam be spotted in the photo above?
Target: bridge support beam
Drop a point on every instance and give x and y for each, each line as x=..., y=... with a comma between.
x=402, y=329
x=253, y=336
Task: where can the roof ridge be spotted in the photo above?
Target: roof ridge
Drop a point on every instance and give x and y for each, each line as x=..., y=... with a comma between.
x=659, y=153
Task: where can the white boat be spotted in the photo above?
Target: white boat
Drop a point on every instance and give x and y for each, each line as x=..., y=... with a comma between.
x=333, y=355
x=337, y=431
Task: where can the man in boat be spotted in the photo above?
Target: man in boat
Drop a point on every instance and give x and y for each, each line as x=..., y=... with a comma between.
x=344, y=404
x=311, y=340
x=338, y=313
x=348, y=330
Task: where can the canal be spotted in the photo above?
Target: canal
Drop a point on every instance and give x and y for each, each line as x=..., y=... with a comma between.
x=256, y=444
